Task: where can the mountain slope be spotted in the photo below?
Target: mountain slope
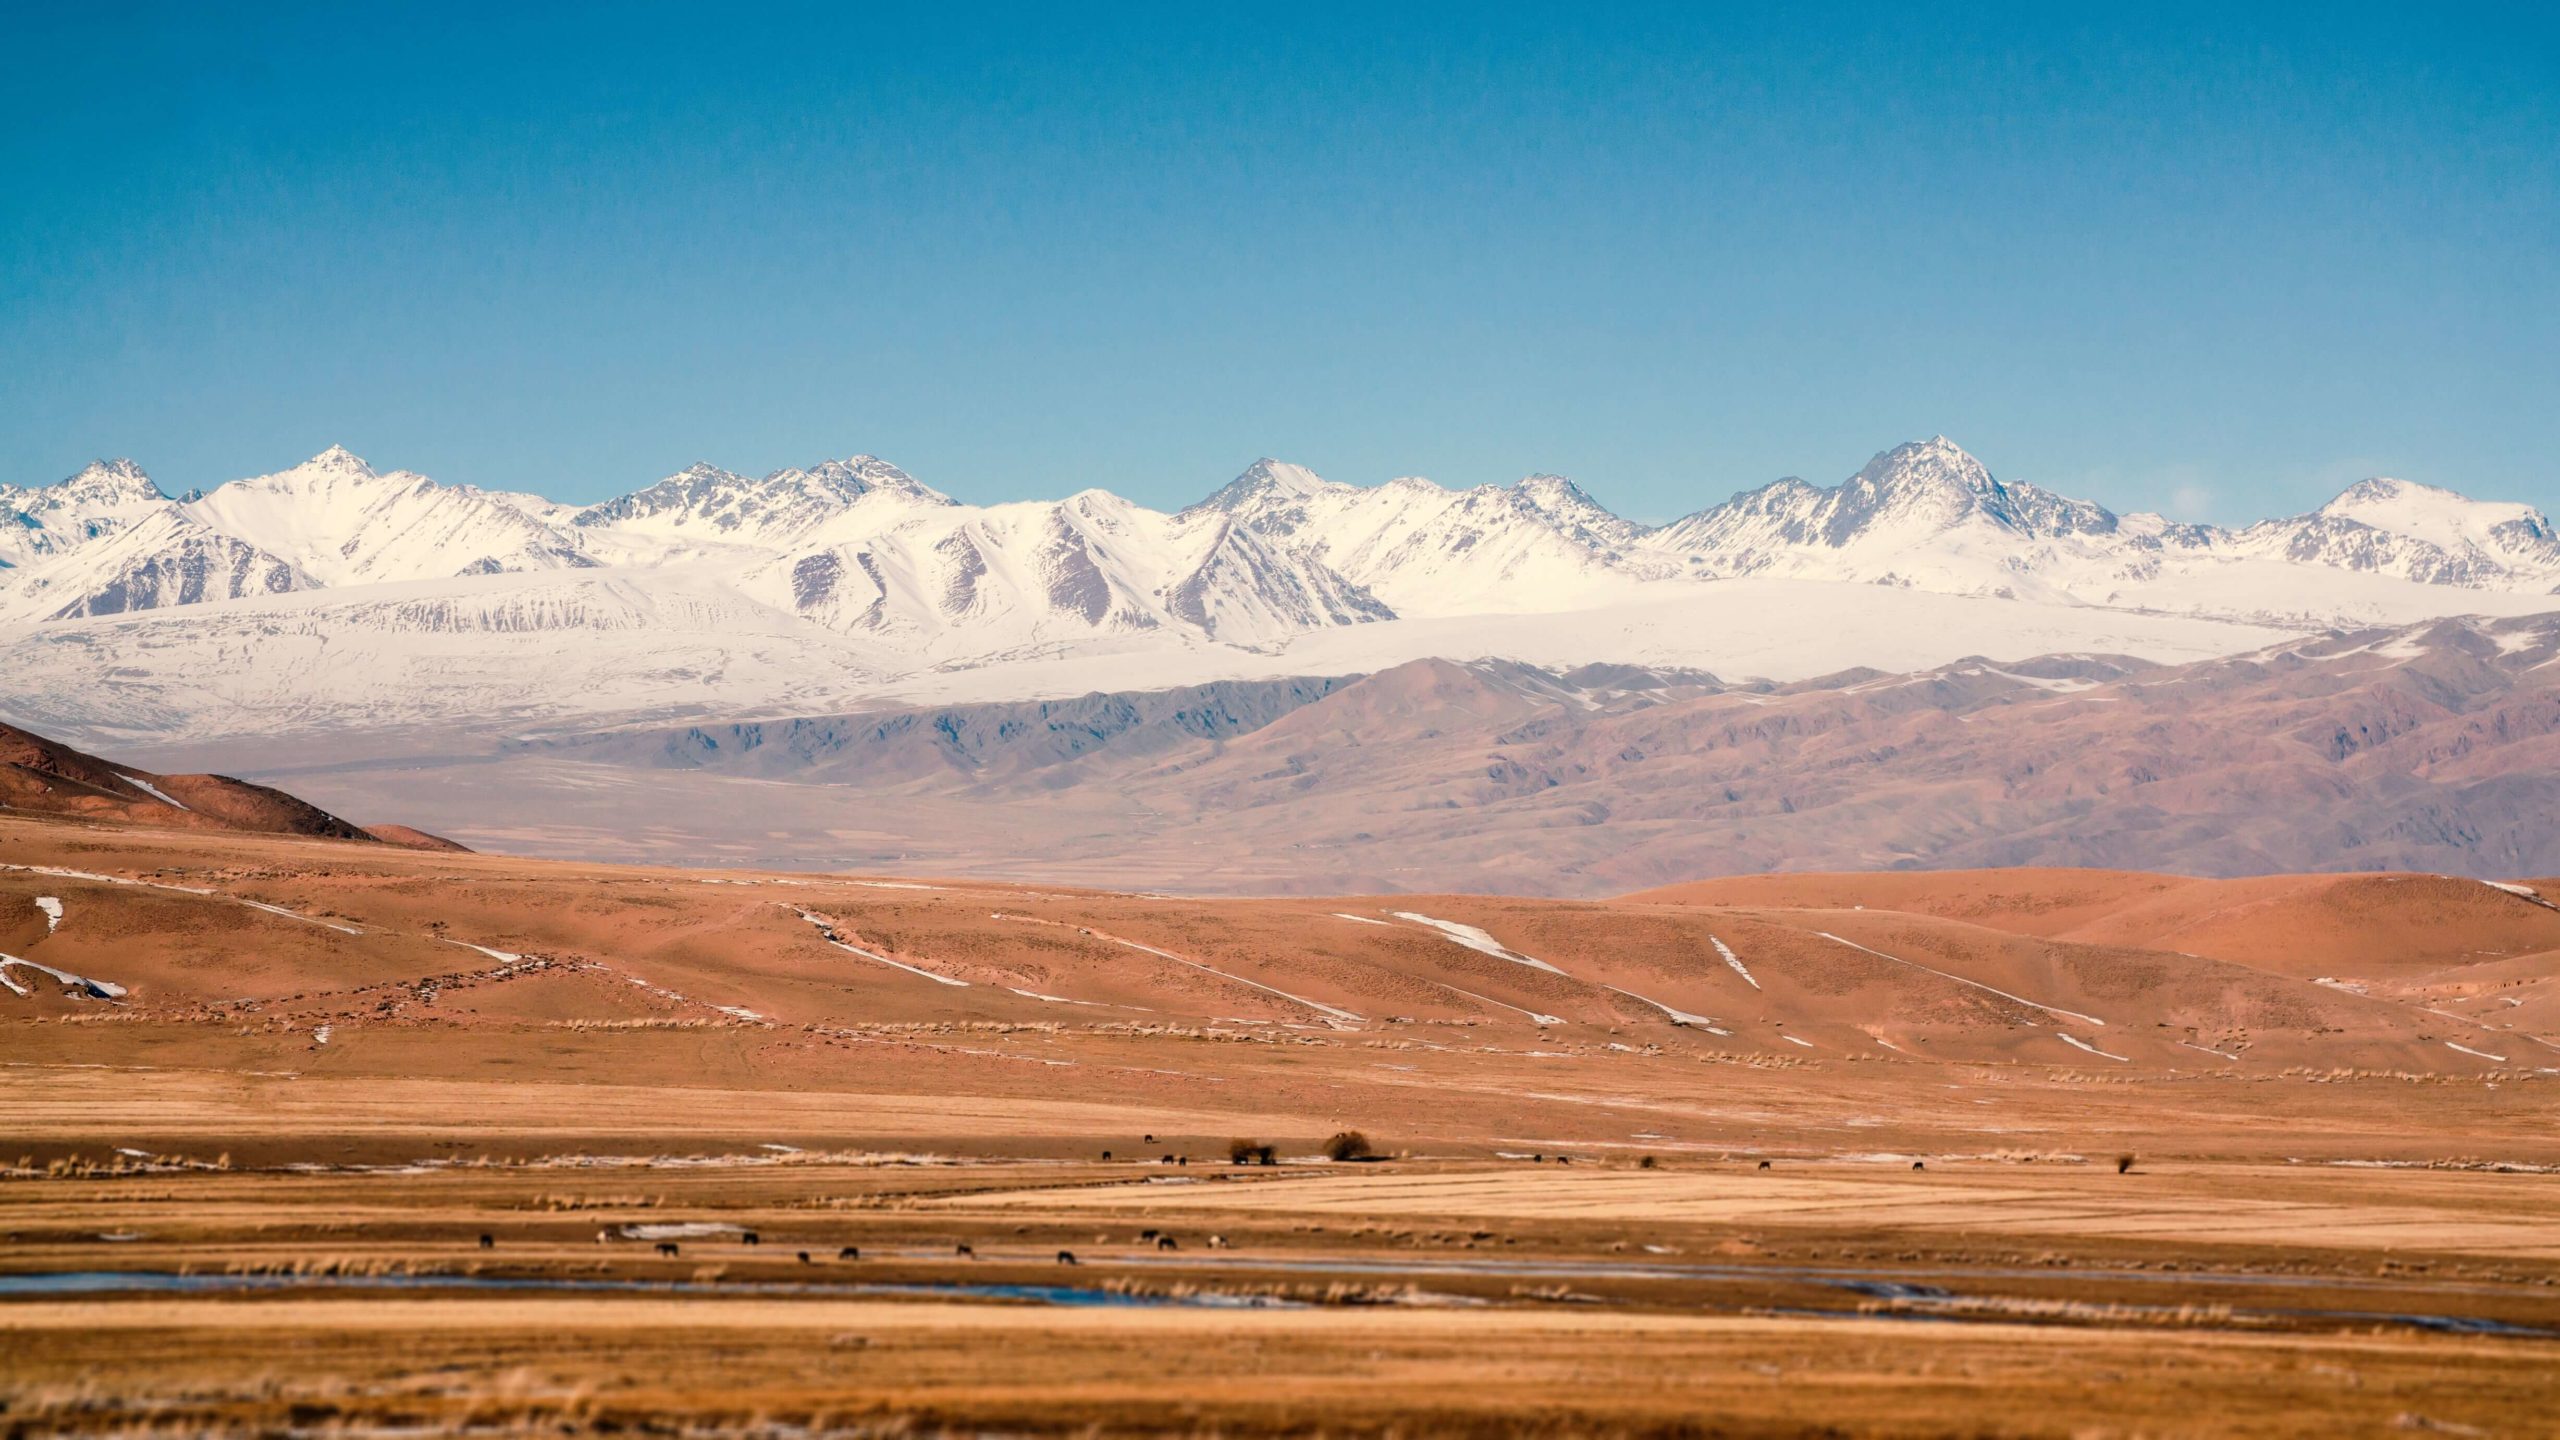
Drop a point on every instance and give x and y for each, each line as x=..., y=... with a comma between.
x=2427, y=748
x=336, y=520
x=1424, y=550
x=42, y=777
x=107, y=541
x=707, y=503
x=51, y=520
x=2416, y=532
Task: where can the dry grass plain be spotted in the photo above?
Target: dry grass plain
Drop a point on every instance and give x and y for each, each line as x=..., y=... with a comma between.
x=325, y=1139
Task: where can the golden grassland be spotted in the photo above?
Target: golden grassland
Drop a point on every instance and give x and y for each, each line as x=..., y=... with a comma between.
x=389, y=1143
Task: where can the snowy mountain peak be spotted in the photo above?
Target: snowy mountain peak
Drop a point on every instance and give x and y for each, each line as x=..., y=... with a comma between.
x=2428, y=512
x=1935, y=467
x=1904, y=517
x=2382, y=489
x=110, y=482
x=787, y=505
x=859, y=475
x=1932, y=485
x=1571, y=510
x=107, y=496
x=1267, y=484
x=2417, y=532
x=337, y=460
x=1554, y=492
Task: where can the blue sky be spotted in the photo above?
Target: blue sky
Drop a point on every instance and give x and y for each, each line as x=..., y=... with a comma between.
x=2217, y=264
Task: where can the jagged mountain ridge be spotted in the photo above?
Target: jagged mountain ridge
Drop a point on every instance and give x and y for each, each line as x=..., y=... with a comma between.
x=861, y=549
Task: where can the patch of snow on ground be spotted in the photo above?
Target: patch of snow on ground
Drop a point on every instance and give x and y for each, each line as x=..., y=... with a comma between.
x=828, y=933
x=321, y=1035
x=305, y=919
x=2075, y=1040
x=2483, y=1054
x=1477, y=940
x=1361, y=920
x=1790, y=1039
x=2207, y=1050
x=501, y=956
x=98, y=989
x=52, y=908
x=685, y=1230
x=1535, y=1017
x=1345, y=1016
x=1678, y=1017
x=1049, y=999
x=61, y=872
x=1976, y=984
x=1733, y=960
x=2521, y=892
x=147, y=788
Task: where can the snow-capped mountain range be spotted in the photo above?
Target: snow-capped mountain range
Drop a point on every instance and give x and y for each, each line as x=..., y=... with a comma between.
x=853, y=566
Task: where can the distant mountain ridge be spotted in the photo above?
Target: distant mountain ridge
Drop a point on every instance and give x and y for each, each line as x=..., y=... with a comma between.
x=714, y=594
x=2425, y=747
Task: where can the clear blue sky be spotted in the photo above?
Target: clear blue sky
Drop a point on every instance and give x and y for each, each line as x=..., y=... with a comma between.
x=2217, y=264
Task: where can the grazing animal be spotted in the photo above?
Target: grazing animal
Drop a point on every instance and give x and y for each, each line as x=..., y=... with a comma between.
x=1166, y=1242
x=488, y=1242
x=1106, y=1154
x=850, y=1252
x=1066, y=1257
x=1764, y=1164
x=962, y=1249
x=1919, y=1164
x=1217, y=1242
x=1151, y=1140
x=1149, y=1234
x=750, y=1238
x=668, y=1248
x=804, y=1257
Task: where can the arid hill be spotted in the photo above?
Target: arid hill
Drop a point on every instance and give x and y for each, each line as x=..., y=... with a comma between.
x=44, y=777
x=2404, y=973
x=2435, y=748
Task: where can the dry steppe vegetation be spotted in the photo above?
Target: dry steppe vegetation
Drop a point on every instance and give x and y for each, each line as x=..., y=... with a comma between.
x=324, y=1138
